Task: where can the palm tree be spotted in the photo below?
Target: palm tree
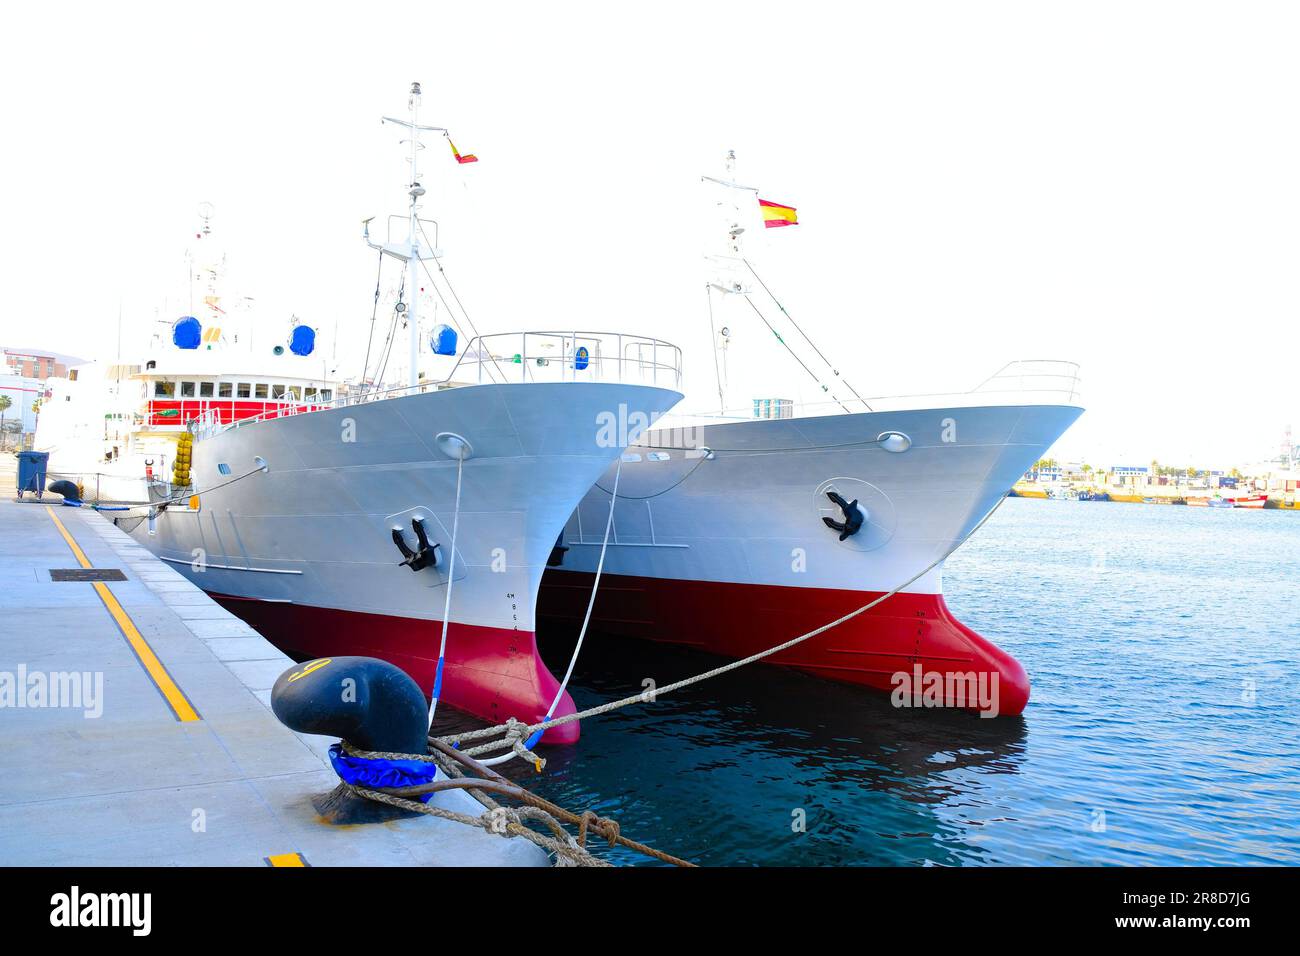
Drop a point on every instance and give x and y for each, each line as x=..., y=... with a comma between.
x=5, y=403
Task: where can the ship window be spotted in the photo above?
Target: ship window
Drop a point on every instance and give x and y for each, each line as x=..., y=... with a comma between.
x=164, y=389
x=187, y=389
x=225, y=389
x=295, y=392
x=261, y=390
x=309, y=393
x=205, y=389
x=326, y=394
x=277, y=391
x=244, y=390
x=223, y=468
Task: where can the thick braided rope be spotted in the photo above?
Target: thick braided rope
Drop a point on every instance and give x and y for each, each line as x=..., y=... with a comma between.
x=503, y=821
x=609, y=827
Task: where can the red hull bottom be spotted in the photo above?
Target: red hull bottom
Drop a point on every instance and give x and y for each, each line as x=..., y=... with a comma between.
x=911, y=634
x=491, y=672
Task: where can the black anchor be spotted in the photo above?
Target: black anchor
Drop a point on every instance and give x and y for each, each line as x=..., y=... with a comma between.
x=853, y=516
x=424, y=556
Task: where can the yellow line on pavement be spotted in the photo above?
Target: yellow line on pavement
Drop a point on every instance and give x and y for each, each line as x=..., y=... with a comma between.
x=175, y=697
x=76, y=549
x=286, y=859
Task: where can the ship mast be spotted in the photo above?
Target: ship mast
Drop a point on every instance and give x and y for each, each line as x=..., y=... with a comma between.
x=411, y=252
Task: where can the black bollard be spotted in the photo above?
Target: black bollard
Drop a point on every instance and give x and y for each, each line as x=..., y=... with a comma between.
x=67, y=489
x=371, y=704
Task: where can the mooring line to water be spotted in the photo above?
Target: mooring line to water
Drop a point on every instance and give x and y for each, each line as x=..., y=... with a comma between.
x=446, y=606
x=582, y=634
x=516, y=731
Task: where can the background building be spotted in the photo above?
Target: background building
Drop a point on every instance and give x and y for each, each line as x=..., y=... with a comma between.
x=39, y=364
x=22, y=381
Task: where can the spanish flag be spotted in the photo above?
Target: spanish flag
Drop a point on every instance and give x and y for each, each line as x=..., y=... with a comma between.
x=467, y=158
x=774, y=214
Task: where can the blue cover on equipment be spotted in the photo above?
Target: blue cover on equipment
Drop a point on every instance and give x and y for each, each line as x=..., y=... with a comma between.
x=361, y=772
x=302, y=341
x=444, y=340
x=187, y=332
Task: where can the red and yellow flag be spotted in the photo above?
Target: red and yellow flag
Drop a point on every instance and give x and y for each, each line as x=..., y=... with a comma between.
x=467, y=158
x=774, y=214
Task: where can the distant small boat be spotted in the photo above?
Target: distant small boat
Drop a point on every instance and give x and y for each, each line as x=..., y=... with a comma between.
x=1249, y=501
x=1198, y=502
x=1219, y=502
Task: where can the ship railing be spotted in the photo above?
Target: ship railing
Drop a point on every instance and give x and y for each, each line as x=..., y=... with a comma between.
x=527, y=357
x=1022, y=382
x=570, y=357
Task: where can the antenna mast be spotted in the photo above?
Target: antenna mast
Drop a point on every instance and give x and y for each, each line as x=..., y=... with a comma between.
x=410, y=251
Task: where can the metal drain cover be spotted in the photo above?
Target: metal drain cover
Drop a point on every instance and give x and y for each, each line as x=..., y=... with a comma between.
x=86, y=574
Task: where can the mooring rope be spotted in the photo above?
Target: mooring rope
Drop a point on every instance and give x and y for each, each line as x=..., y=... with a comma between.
x=591, y=603
x=504, y=821
x=516, y=731
x=446, y=605
x=760, y=451
x=702, y=460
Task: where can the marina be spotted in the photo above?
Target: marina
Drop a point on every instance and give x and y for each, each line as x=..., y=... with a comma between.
x=1181, y=751
x=843, y=453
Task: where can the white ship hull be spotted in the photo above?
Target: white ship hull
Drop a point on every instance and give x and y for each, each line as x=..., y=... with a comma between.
x=304, y=551
x=729, y=553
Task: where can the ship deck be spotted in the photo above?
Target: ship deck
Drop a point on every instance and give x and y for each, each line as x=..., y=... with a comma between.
x=184, y=764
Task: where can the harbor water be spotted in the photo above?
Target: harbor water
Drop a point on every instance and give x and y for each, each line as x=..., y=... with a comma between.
x=1163, y=644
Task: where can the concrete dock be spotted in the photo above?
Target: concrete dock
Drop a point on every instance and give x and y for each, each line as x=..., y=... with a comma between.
x=135, y=724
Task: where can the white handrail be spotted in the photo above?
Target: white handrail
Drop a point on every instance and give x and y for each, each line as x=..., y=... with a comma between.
x=485, y=351
x=1052, y=381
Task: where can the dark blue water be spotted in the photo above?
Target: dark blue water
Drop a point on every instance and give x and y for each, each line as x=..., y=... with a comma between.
x=1163, y=645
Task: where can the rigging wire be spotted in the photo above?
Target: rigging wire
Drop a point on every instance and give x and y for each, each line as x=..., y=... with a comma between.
x=452, y=290
x=374, y=313
x=802, y=364
x=800, y=330
x=717, y=373
x=392, y=332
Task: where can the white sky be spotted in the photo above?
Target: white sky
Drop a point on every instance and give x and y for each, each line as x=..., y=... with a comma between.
x=1113, y=183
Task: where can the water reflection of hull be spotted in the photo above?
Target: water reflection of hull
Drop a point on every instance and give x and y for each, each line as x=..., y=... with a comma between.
x=744, y=752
